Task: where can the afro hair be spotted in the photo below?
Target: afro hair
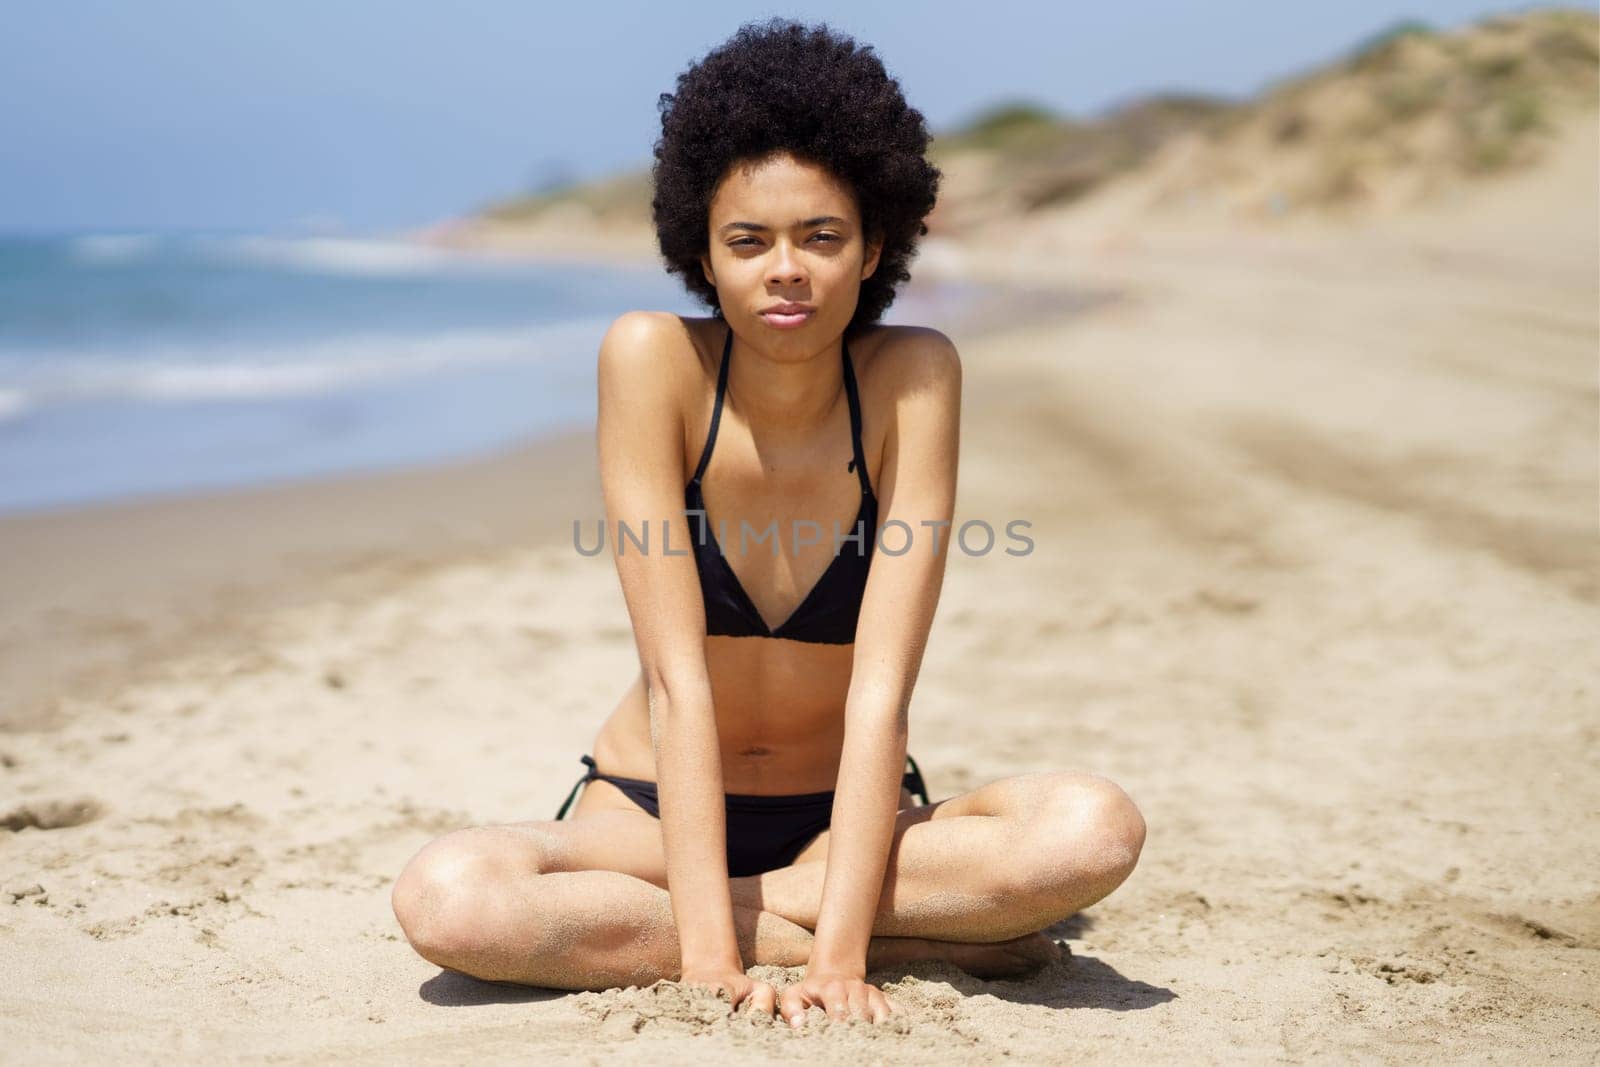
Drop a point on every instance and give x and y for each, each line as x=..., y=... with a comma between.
x=782, y=86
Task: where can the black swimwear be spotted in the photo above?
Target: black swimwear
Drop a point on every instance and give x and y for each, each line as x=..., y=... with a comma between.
x=828, y=614
x=766, y=832
x=763, y=832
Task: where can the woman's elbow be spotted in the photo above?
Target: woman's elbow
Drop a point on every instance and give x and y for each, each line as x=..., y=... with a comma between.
x=675, y=686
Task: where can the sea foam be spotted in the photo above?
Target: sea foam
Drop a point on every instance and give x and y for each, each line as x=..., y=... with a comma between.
x=244, y=372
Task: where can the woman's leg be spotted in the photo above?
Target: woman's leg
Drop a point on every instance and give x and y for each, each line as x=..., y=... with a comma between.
x=1011, y=857
x=535, y=903
x=580, y=904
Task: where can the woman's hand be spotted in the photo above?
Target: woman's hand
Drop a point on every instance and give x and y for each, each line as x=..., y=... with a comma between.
x=739, y=986
x=842, y=996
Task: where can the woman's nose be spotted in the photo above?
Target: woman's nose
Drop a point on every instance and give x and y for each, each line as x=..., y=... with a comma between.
x=785, y=268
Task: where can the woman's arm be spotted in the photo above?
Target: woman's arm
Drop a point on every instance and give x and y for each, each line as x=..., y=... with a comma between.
x=917, y=486
x=647, y=371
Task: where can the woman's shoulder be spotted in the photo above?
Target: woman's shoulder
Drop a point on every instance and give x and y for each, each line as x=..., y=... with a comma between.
x=658, y=347
x=895, y=358
x=904, y=339
x=663, y=331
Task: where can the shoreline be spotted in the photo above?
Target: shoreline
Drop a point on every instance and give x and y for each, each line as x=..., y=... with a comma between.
x=133, y=426
x=99, y=593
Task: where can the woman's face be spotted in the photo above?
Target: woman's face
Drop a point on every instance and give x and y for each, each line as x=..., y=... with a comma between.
x=786, y=231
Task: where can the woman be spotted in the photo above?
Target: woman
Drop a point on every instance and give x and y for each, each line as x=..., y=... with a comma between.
x=753, y=807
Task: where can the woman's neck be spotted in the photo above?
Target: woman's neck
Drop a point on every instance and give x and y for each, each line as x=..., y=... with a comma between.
x=788, y=396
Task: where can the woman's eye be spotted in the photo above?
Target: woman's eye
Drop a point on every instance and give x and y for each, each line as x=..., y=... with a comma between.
x=751, y=242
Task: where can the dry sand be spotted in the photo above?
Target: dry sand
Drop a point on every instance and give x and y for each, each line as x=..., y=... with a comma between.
x=1317, y=579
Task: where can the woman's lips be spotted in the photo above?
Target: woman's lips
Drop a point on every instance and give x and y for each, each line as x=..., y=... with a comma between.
x=779, y=321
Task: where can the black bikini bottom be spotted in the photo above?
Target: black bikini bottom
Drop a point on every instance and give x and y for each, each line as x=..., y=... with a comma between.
x=764, y=832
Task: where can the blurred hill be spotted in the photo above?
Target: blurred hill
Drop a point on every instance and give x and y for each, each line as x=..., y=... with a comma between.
x=1406, y=116
x=1409, y=115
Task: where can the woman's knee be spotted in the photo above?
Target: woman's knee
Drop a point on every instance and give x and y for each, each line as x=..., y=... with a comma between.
x=1084, y=826
x=447, y=897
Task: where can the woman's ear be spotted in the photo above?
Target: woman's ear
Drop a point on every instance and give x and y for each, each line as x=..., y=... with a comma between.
x=705, y=268
x=874, y=250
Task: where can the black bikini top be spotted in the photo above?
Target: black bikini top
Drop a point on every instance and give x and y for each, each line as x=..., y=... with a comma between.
x=828, y=614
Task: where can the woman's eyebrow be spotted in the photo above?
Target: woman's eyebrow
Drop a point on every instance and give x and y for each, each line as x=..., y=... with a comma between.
x=759, y=228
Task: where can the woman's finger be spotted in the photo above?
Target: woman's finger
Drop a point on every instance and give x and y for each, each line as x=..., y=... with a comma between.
x=835, y=1001
x=737, y=994
x=794, y=1006
x=859, y=1007
x=763, y=998
x=880, y=1006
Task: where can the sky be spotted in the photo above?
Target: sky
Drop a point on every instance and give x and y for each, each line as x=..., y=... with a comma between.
x=360, y=117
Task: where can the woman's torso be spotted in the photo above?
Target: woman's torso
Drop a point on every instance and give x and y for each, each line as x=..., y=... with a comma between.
x=779, y=703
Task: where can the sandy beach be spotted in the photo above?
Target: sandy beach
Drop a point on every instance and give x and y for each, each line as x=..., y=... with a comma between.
x=1316, y=579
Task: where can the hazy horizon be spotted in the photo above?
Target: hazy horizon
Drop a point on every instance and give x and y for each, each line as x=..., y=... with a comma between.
x=181, y=116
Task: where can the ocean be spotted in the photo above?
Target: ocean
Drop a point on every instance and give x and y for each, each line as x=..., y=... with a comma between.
x=134, y=365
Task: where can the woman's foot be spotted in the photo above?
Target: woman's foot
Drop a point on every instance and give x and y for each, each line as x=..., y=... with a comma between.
x=991, y=959
x=1002, y=959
